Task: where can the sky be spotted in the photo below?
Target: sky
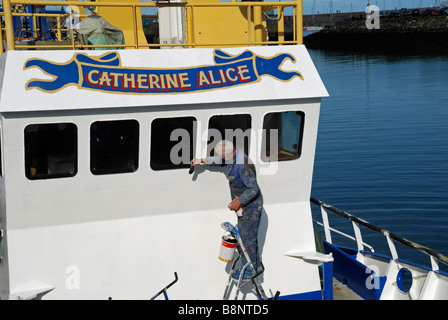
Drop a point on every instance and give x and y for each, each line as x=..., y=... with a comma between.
x=323, y=6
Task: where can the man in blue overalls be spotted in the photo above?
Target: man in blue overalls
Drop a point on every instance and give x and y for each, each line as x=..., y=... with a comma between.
x=245, y=194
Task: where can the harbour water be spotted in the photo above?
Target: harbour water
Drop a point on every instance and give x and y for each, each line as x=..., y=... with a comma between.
x=382, y=149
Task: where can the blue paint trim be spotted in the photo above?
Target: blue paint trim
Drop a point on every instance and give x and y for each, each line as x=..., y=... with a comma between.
x=443, y=273
x=376, y=255
x=421, y=266
x=328, y=280
x=312, y=295
x=354, y=274
x=400, y=277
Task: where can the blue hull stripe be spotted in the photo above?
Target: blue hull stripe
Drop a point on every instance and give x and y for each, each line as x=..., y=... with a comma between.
x=312, y=295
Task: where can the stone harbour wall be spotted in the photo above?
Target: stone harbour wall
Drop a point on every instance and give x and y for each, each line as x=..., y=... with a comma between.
x=415, y=35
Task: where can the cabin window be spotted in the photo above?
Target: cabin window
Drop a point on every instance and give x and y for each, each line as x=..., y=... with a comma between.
x=282, y=136
x=114, y=146
x=172, y=142
x=50, y=150
x=235, y=128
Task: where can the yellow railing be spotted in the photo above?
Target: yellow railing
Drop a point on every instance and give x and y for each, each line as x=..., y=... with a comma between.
x=253, y=13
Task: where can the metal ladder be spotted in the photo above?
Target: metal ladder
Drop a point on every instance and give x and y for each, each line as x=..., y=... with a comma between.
x=166, y=288
x=257, y=288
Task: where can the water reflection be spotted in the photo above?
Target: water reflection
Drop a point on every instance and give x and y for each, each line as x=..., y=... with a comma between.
x=382, y=150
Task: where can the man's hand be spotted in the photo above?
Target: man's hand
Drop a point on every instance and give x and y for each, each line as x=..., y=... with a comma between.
x=235, y=204
x=195, y=162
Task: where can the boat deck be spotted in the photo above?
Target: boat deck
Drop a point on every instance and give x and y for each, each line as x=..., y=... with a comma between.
x=342, y=292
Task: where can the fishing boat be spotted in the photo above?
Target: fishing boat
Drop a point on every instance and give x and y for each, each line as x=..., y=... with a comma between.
x=99, y=122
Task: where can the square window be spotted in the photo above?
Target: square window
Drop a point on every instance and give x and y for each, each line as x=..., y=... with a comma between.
x=51, y=150
x=114, y=146
x=235, y=128
x=172, y=143
x=282, y=136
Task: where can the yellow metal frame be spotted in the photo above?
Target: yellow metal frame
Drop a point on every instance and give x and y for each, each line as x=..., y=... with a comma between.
x=254, y=32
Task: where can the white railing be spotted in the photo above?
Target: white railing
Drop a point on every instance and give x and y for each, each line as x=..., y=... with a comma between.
x=435, y=257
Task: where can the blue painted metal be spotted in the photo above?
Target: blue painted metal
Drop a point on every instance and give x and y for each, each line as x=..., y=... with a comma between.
x=421, y=266
x=42, y=29
x=354, y=274
x=401, y=277
x=328, y=280
x=163, y=291
x=312, y=295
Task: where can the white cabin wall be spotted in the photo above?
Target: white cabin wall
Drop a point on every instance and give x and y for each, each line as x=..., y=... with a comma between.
x=294, y=176
x=4, y=279
x=109, y=225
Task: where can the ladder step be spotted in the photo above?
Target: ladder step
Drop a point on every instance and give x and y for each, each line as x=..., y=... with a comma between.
x=257, y=288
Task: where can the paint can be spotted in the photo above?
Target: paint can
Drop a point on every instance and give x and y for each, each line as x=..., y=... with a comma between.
x=228, y=246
